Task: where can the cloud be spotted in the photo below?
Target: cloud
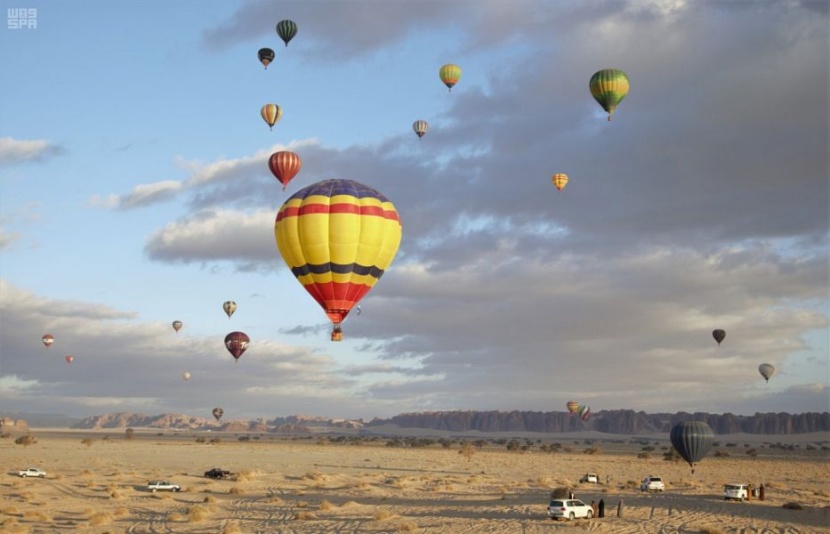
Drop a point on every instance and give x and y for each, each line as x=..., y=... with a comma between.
x=14, y=151
x=7, y=238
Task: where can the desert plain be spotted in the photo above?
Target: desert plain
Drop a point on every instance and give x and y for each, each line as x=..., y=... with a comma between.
x=96, y=483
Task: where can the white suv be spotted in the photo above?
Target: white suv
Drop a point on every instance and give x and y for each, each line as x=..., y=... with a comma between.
x=569, y=508
x=652, y=484
x=739, y=492
x=590, y=477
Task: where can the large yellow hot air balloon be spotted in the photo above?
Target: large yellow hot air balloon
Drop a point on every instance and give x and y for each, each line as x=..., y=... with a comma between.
x=560, y=180
x=609, y=87
x=271, y=113
x=572, y=406
x=450, y=74
x=338, y=237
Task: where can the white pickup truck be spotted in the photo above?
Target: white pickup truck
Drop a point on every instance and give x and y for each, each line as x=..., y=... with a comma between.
x=32, y=472
x=161, y=485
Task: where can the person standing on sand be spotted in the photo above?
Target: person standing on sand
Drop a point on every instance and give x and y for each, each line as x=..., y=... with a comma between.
x=601, y=508
x=594, y=507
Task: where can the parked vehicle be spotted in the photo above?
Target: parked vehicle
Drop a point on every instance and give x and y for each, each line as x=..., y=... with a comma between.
x=32, y=472
x=569, y=509
x=737, y=492
x=592, y=478
x=217, y=473
x=651, y=483
x=162, y=485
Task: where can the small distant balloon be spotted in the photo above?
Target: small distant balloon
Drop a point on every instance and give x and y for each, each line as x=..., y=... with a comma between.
x=237, y=344
x=609, y=87
x=70, y=359
x=218, y=413
x=766, y=371
x=719, y=335
x=229, y=307
x=186, y=375
x=48, y=339
x=271, y=114
x=450, y=74
x=572, y=406
x=286, y=29
x=177, y=325
x=266, y=56
x=560, y=180
x=420, y=128
x=284, y=165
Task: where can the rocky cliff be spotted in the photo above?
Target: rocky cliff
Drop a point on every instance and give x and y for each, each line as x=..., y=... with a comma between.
x=612, y=422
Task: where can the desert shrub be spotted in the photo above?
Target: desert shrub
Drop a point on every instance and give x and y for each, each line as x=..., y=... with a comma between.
x=121, y=511
x=100, y=518
x=720, y=454
x=6, y=435
x=115, y=495
x=648, y=448
x=325, y=505
x=209, y=499
x=752, y=452
x=26, y=440
x=304, y=516
x=231, y=529
x=129, y=434
x=87, y=441
x=731, y=444
x=10, y=510
x=175, y=516
x=644, y=456
x=36, y=515
x=382, y=515
x=236, y=491
x=197, y=513
x=467, y=451
x=244, y=438
x=593, y=450
x=215, y=441
x=409, y=526
x=512, y=445
x=710, y=530
x=793, y=506
x=568, y=449
x=445, y=443
x=671, y=455
x=200, y=439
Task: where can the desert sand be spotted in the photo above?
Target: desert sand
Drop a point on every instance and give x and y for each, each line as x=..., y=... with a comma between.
x=97, y=480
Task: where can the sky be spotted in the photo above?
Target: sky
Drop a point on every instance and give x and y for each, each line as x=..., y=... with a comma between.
x=134, y=191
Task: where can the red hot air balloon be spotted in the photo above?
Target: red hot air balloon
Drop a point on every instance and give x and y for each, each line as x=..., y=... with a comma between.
x=70, y=359
x=284, y=166
x=48, y=339
x=237, y=344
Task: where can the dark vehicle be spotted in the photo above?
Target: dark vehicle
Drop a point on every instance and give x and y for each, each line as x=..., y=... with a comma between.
x=217, y=473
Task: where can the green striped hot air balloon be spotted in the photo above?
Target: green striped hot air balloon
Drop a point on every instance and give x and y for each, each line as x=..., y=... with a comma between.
x=286, y=29
x=609, y=87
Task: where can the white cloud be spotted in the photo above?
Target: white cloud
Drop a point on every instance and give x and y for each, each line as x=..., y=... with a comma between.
x=14, y=151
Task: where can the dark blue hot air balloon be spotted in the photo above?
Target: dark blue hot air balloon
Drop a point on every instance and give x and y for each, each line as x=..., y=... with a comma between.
x=692, y=440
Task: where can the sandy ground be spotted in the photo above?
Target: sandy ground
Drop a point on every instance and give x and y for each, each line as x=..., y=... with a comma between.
x=313, y=485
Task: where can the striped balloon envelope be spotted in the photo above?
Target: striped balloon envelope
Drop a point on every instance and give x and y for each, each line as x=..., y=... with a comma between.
x=609, y=87
x=338, y=237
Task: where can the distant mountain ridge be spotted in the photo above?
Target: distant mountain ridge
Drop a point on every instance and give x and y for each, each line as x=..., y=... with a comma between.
x=626, y=422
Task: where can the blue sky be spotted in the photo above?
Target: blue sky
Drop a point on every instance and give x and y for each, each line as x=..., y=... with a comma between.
x=134, y=191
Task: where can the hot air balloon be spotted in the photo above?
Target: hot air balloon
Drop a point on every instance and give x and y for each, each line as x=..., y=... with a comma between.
x=420, y=128
x=48, y=339
x=286, y=29
x=573, y=406
x=266, y=56
x=218, y=413
x=70, y=359
x=284, y=166
x=338, y=237
x=609, y=87
x=692, y=440
x=177, y=325
x=560, y=180
x=450, y=74
x=186, y=375
x=229, y=307
x=237, y=344
x=585, y=413
x=271, y=113
x=766, y=371
x=719, y=335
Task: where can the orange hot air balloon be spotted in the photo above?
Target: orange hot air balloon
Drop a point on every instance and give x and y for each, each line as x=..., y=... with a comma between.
x=560, y=180
x=48, y=339
x=573, y=406
x=271, y=113
x=450, y=74
x=284, y=166
x=70, y=359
